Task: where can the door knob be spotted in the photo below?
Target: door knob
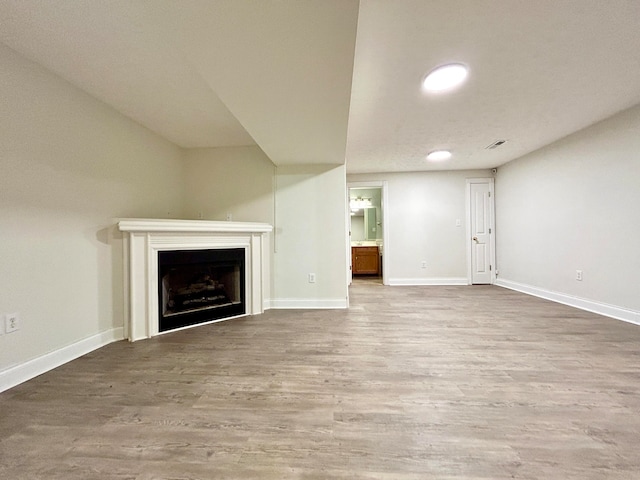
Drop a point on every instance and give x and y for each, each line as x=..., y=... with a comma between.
x=475, y=239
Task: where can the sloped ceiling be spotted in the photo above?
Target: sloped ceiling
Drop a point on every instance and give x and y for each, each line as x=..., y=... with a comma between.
x=329, y=81
x=205, y=73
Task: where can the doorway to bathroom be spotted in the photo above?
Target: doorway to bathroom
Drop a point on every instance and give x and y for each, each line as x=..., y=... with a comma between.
x=368, y=233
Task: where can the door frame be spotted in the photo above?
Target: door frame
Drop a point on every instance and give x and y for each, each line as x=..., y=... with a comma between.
x=382, y=184
x=492, y=237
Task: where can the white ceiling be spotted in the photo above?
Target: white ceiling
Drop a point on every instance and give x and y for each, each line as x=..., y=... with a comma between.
x=539, y=70
x=278, y=73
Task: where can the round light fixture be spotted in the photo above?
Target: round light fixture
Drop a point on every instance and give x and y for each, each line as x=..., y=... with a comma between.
x=439, y=155
x=445, y=77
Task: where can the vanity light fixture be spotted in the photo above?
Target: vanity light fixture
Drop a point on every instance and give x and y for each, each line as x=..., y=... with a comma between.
x=439, y=155
x=445, y=78
x=356, y=204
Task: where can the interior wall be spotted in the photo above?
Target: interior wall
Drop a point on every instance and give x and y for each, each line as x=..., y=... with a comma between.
x=311, y=237
x=574, y=206
x=233, y=180
x=423, y=208
x=70, y=166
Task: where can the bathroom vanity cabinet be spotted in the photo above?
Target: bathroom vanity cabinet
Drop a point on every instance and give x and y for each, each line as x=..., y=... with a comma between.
x=365, y=260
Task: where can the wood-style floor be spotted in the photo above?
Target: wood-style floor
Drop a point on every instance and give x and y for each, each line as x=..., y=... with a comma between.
x=410, y=383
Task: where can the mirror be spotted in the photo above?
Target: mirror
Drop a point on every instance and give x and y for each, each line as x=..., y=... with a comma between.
x=371, y=224
x=366, y=214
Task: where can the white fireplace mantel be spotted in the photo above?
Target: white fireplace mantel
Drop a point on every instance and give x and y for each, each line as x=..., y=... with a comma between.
x=146, y=237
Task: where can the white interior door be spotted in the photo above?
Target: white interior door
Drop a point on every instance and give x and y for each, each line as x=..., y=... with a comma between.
x=481, y=233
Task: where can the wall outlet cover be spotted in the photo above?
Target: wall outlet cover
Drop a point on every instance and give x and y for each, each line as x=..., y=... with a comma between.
x=11, y=322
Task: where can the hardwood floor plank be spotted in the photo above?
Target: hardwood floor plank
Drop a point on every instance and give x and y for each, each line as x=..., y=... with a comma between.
x=451, y=382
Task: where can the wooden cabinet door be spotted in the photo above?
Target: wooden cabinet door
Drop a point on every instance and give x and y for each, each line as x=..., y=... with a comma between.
x=365, y=260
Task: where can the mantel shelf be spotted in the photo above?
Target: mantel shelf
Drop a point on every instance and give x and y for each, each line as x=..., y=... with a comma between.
x=206, y=226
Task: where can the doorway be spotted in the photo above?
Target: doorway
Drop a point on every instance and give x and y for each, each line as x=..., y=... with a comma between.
x=368, y=233
x=481, y=245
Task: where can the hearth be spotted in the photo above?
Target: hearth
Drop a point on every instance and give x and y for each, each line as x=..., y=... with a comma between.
x=196, y=286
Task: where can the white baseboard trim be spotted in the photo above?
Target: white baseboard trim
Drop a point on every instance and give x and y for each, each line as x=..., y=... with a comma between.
x=427, y=281
x=26, y=371
x=309, y=303
x=605, y=309
x=266, y=304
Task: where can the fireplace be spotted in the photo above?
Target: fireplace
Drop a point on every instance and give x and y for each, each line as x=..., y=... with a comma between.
x=182, y=273
x=196, y=286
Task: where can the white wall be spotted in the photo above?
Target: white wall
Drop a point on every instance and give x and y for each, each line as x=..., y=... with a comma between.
x=69, y=165
x=574, y=205
x=232, y=180
x=421, y=219
x=311, y=237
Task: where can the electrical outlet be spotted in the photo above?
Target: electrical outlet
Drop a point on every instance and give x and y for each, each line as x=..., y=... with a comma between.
x=312, y=278
x=458, y=223
x=424, y=264
x=579, y=275
x=11, y=322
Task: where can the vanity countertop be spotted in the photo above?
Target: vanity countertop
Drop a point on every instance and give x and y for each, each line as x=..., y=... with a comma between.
x=365, y=243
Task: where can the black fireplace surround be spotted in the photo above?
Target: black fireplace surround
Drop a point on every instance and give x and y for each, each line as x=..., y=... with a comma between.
x=197, y=286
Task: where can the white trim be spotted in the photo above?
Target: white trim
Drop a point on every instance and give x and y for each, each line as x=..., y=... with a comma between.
x=347, y=220
x=619, y=313
x=427, y=281
x=309, y=303
x=385, y=232
x=162, y=225
x=26, y=371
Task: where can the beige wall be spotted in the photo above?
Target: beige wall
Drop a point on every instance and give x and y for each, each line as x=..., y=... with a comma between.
x=311, y=237
x=70, y=165
x=235, y=180
x=573, y=205
x=421, y=225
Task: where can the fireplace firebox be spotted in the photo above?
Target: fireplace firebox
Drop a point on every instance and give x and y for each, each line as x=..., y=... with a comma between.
x=197, y=286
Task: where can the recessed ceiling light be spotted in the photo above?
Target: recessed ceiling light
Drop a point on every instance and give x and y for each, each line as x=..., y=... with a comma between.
x=439, y=155
x=445, y=77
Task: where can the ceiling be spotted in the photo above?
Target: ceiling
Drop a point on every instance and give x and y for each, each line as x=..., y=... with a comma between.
x=329, y=81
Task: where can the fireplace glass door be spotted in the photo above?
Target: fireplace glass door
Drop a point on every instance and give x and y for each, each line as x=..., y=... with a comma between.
x=197, y=286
